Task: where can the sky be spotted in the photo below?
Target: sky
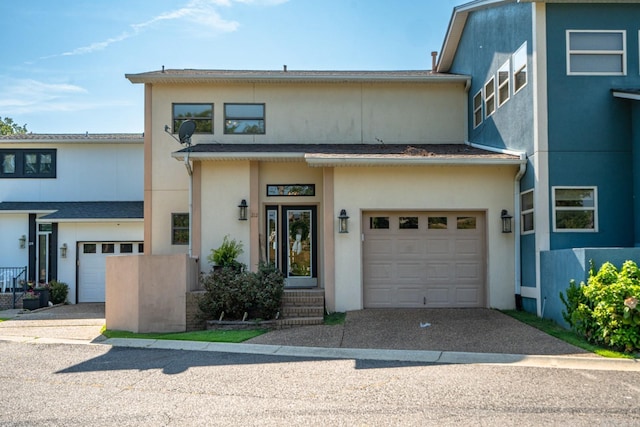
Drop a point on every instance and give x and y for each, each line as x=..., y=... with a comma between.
x=64, y=62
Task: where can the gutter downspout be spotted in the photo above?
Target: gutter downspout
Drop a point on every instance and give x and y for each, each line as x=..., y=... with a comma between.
x=187, y=165
x=516, y=214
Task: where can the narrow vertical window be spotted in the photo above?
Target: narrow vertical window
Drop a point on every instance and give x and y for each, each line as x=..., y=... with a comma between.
x=490, y=97
x=519, y=61
x=503, y=83
x=477, y=109
x=526, y=208
x=180, y=229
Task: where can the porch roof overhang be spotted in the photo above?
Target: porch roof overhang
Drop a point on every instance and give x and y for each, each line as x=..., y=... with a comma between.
x=335, y=155
x=78, y=211
x=633, y=94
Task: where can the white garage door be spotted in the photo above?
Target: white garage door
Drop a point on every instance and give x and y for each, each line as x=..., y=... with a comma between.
x=92, y=266
x=424, y=259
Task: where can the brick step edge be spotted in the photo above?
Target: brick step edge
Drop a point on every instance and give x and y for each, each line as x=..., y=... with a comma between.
x=303, y=300
x=299, y=321
x=301, y=311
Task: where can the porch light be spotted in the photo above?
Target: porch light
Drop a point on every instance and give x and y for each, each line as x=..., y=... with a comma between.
x=506, y=221
x=63, y=250
x=343, y=223
x=242, y=215
x=23, y=241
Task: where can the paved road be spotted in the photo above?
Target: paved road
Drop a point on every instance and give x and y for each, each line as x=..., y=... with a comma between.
x=98, y=385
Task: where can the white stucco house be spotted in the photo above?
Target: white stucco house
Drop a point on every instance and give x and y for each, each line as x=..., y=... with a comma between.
x=303, y=150
x=68, y=201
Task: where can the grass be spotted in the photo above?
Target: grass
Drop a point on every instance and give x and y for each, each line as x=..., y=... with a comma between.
x=552, y=328
x=206, y=336
x=211, y=335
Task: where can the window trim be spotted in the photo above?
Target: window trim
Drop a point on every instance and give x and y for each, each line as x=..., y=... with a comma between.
x=263, y=118
x=518, y=68
x=524, y=212
x=622, y=53
x=506, y=83
x=175, y=228
x=20, y=163
x=555, y=209
x=490, y=83
x=477, y=109
x=175, y=120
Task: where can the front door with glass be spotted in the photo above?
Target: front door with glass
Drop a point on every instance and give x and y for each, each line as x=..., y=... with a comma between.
x=291, y=243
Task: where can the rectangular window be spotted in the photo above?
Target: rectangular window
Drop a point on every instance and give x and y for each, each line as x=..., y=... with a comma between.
x=408, y=223
x=594, y=53
x=201, y=114
x=126, y=248
x=477, y=109
x=503, y=83
x=244, y=119
x=519, y=60
x=379, y=222
x=490, y=97
x=437, y=223
x=526, y=211
x=108, y=248
x=575, y=209
x=27, y=163
x=180, y=229
x=466, y=223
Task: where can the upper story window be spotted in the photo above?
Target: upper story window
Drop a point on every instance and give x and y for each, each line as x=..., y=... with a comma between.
x=575, y=209
x=519, y=60
x=477, y=109
x=601, y=52
x=201, y=114
x=28, y=163
x=526, y=209
x=503, y=83
x=244, y=118
x=490, y=97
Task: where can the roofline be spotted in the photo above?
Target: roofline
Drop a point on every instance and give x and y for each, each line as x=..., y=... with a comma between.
x=229, y=76
x=58, y=138
x=322, y=160
x=87, y=220
x=456, y=26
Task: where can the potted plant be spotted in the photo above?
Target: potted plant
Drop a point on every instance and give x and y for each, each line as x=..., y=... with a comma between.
x=31, y=300
x=226, y=255
x=43, y=290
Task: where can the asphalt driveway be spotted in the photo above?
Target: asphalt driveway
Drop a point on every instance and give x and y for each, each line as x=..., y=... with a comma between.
x=456, y=330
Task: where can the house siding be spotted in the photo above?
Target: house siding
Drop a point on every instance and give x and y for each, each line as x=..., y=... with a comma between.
x=590, y=131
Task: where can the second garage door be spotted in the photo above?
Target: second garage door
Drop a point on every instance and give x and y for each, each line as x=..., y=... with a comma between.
x=424, y=259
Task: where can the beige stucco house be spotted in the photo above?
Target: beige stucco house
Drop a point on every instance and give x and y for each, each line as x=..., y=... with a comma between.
x=388, y=150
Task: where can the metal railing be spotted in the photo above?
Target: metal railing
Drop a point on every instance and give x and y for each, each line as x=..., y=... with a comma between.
x=14, y=280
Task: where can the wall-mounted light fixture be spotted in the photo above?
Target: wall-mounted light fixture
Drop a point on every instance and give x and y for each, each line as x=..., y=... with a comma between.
x=343, y=222
x=506, y=221
x=242, y=214
x=63, y=250
x=23, y=241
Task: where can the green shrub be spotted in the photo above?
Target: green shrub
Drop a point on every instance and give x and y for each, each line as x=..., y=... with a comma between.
x=606, y=310
x=58, y=292
x=235, y=292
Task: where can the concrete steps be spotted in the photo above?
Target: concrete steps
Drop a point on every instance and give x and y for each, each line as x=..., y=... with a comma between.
x=302, y=307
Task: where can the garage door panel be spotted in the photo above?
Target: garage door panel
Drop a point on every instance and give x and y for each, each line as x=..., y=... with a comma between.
x=438, y=264
x=438, y=246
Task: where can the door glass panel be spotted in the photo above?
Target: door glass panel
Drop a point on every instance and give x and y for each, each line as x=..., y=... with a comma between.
x=466, y=223
x=107, y=248
x=408, y=222
x=89, y=248
x=437, y=222
x=379, y=222
x=272, y=233
x=43, y=257
x=299, y=243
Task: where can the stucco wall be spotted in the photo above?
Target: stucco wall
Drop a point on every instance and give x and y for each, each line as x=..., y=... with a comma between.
x=148, y=293
x=488, y=189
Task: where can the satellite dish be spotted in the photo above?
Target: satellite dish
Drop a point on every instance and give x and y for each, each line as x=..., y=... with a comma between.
x=186, y=130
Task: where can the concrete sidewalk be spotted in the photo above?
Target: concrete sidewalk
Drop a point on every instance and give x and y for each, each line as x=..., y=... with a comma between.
x=414, y=335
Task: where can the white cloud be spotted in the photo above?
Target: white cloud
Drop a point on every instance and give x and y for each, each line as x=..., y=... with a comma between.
x=21, y=96
x=200, y=12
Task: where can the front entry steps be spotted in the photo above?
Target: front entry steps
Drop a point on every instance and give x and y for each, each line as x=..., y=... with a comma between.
x=302, y=307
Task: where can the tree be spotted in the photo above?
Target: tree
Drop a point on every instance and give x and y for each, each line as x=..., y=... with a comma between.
x=8, y=127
